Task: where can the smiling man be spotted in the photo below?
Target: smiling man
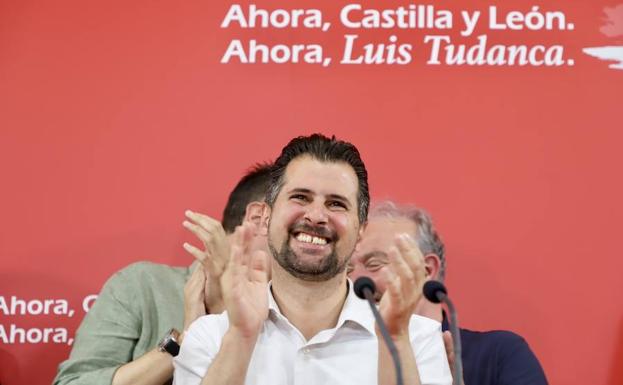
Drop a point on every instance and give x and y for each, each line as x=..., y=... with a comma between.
x=496, y=357
x=307, y=326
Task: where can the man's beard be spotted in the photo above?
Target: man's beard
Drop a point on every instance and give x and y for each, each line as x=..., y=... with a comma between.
x=323, y=270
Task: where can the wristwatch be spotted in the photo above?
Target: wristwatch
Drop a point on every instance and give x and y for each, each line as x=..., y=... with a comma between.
x=169, y=342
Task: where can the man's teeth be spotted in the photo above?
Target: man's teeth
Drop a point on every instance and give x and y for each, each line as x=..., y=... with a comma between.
x=307, y=238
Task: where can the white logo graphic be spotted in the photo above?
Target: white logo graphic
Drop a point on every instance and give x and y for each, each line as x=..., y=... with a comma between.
x=612, y=28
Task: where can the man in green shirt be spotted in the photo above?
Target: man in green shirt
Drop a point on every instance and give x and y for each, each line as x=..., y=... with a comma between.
x=117, y=342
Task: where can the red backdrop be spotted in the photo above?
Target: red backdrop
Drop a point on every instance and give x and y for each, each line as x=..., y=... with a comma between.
x=117, y=116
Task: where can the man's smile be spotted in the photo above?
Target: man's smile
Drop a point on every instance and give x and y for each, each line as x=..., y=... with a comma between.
x=310, y=238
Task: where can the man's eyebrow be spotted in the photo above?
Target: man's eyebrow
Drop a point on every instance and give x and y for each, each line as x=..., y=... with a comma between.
x=375, y=253
x=300, y=190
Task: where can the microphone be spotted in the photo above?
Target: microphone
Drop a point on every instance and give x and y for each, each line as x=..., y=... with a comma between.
x=364, y=283
x=364, y=287
x=436, y=292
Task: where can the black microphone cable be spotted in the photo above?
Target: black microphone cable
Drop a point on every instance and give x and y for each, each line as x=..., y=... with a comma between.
x=364, y=288
x=436, y=292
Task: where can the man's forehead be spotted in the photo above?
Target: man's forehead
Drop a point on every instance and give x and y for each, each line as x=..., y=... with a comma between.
x=380, y=232
x=389, y=226
x=321, y=177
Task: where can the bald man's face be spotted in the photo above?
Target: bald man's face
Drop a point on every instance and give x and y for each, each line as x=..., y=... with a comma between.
x=371, y=255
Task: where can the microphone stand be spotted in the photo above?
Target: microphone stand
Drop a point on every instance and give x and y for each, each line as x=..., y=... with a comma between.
x=367, y=289
x=457, y=373
x=436, y=292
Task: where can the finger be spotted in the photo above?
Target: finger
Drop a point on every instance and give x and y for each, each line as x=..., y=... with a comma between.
x=213, y=265
x=259, y=267
x=448, y=343
x=194, y=296
x=393, y=286
x=231, y=274
x=196, y=270
x=409, y=247
x=413, y=256
x=198, y=277
x=195, y=252
x=247, y=236
x=210, y=230
x=199, y=232
x=236, y=237
x=196, y=281
x=237, y=263
x=200, y=273
x=401, y=268
x=204, y=221
x=241, y=240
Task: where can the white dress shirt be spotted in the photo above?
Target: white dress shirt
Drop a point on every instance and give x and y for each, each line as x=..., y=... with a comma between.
x=346, y=354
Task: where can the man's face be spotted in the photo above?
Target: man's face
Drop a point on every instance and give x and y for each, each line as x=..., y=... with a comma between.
x=371, y=256
x=313, y=225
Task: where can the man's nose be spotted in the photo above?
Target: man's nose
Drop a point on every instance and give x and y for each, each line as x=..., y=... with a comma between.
x=317, y=213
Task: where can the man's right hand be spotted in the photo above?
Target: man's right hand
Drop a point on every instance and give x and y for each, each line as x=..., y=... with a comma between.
x=213, y=257
x=245, y=285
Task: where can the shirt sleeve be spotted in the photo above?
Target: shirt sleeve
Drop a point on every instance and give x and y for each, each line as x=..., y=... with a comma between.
x=430, y=353
x=201, y=343
x=106, y=337
x=517, y=363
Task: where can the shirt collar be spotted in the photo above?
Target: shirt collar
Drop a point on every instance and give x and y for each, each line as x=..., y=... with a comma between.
x=272, y=304
x=354, y=310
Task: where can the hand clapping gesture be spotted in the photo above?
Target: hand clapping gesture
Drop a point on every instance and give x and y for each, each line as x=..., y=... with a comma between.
x=245, y=284
x=213, y=257
x=405, y=277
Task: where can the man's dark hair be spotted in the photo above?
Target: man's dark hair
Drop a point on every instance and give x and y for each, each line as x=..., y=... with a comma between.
x=252, y=187
x=324, y=149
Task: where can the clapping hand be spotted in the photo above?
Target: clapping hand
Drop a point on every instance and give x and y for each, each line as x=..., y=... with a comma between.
x=405, y=277
x=213, y=257
x=245, y=284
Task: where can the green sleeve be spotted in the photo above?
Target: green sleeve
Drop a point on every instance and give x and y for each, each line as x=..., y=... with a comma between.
x=107, y=336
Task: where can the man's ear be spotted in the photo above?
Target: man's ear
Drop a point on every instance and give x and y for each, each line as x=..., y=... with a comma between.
x=253, y=213
x=258, y=213
x=432, y=263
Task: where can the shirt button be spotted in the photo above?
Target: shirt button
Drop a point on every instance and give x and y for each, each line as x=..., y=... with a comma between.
x=306, y=351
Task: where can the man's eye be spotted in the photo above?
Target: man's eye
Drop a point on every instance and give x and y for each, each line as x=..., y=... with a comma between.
x=337, y=204
x=374, y=266
x=299, y=197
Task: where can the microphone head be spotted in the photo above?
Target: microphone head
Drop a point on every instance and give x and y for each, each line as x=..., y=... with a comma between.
x=433, y=289
x=363, y=283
